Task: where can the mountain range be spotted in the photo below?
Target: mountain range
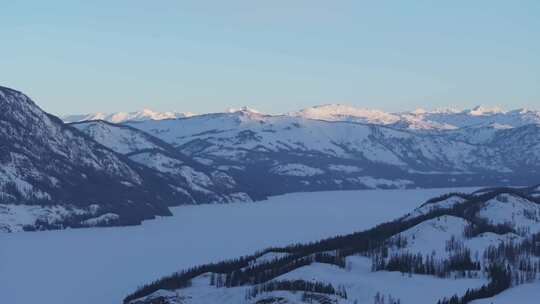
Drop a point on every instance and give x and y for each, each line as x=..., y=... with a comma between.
x=54, y=173
x=285, y=153
x=53, y=176
x=419, y=119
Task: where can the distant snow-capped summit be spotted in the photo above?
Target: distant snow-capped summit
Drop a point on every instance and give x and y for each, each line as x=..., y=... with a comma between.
x=445, y=118
x=422, y=119
x=245, y=109
x=119, y=117
x=483, y=110
x=340, y=112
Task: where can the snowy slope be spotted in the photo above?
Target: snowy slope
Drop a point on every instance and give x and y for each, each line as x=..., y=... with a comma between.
x=449, y=250
x=120, y=139
x=200, y=183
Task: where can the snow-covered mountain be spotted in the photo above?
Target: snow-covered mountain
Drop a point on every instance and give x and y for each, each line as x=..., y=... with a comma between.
x=201, y=183
x=285, y=153
x=243, y=154
x=339, y=112
x=459, y=247
x=420, y=119
x=53, y=176
x=119, y=117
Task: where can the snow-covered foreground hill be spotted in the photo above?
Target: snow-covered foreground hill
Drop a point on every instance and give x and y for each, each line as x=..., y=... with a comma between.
x=453, y=249
x=102, y=265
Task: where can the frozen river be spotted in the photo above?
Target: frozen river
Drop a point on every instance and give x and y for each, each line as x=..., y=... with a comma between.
x=102, y=265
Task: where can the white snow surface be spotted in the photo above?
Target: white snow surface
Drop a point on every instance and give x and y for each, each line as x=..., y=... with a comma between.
x=447, y=203
x=114, y=261
x=102, y=219
x=513, y=210
x=345, y=168
x=296, y=170
x=13, y=217
x=120, y=139
x=375, y=183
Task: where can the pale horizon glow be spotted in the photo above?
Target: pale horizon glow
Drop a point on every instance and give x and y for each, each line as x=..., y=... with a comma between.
x=78, y=57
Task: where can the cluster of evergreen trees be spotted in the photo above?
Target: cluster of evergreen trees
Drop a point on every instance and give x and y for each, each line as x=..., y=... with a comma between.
x=317, y=298
x=297, y=285
x=459, y=261
x=500, y=280
x=524, y=257
x=480, y=226
x=183, y=279
x=510, y=264
x=381, y=299
x=263, y=272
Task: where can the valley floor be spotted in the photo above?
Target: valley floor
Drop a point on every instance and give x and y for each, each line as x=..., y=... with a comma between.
x=102, y=265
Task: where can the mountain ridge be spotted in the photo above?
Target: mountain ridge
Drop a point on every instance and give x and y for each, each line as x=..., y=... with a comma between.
x=251, y=142
x=54, y=176
x=419, y=119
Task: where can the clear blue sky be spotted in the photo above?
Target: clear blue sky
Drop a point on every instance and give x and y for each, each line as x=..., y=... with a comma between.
x=79, y=56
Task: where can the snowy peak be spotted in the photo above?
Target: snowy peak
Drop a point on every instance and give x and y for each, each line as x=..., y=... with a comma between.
x=120, y=117
x=244, y=109
x=483, y=110
x=340, y=112
x=446, y=118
